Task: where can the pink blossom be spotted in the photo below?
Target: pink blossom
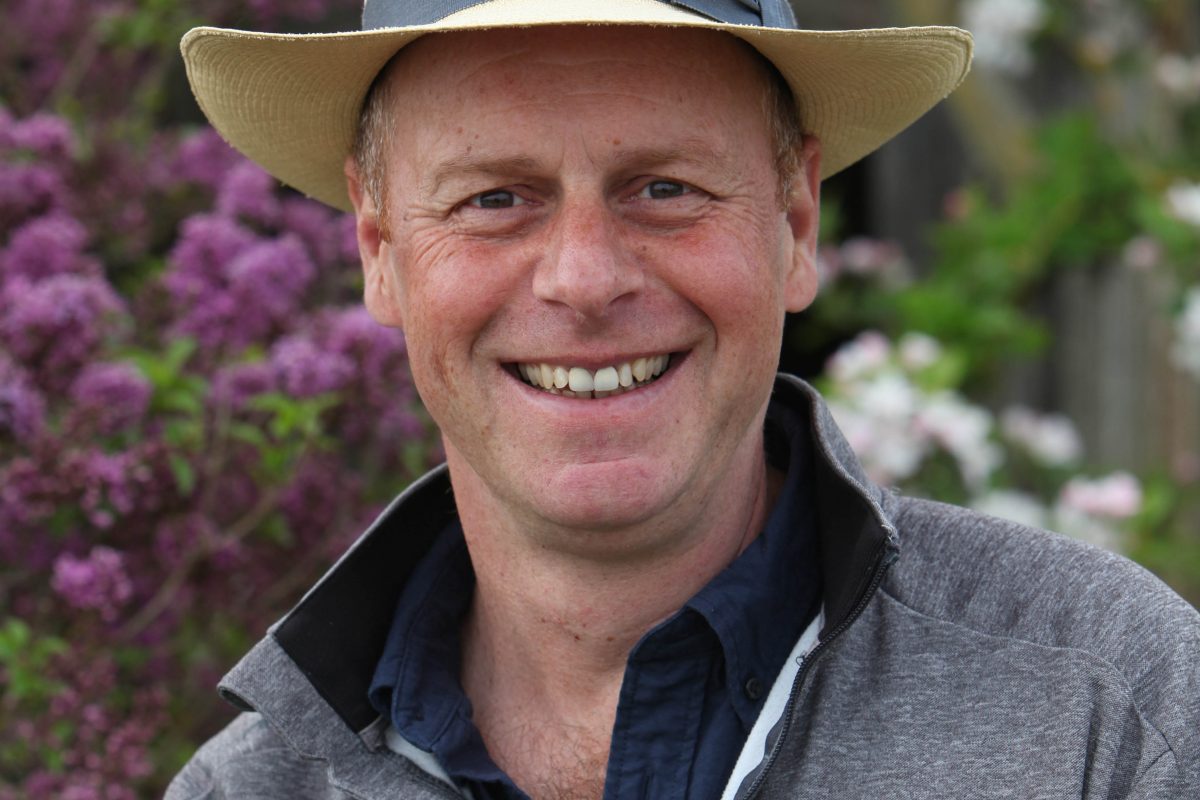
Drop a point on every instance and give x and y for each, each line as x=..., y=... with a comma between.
x=1117, y=496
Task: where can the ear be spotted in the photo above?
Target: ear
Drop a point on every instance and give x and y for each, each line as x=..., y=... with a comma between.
x=381, y=291
x=804, y=219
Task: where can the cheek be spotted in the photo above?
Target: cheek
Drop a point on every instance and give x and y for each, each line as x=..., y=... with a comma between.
x=733, y=275
x=455, y=290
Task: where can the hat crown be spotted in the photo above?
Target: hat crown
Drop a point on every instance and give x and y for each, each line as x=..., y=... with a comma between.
x=379, y=14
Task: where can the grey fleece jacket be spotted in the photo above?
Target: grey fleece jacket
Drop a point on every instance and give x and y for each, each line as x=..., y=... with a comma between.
x=957, y=656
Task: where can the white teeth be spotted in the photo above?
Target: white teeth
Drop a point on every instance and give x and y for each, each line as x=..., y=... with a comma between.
x=639, y=369
x=582, y=382
x=606, y=380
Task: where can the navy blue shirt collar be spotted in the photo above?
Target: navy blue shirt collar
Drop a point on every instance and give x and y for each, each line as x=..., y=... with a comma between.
x=743, y=623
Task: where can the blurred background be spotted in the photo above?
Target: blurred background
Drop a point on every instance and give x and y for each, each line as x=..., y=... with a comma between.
x=196, y=416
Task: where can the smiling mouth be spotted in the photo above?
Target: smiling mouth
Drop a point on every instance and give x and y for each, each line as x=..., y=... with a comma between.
x=580, y=382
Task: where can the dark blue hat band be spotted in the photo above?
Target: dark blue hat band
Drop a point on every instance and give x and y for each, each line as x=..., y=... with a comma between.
x=404, y=13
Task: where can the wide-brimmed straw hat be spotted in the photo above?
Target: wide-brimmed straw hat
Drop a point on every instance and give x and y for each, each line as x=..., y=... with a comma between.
x=291, y=102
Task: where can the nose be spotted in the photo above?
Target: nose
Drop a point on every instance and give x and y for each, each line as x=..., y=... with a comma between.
x=586, y=267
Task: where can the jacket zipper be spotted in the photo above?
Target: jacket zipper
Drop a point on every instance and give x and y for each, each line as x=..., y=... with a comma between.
x=886, y=559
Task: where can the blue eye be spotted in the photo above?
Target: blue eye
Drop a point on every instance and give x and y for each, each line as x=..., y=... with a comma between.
x=664, y=190
x=499, y=198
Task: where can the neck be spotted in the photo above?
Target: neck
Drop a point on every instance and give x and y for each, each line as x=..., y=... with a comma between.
x=550, y=629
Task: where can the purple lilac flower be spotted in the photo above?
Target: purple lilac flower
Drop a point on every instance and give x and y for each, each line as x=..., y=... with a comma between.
x=6, y=123
x=242, y=298
x=235, y=384
x=44, y=27
x=46, y=246
x=353, y=330
x=267, y=282
x=22, y=406
x=125, y=749
x=316, y=499
x=315, y=225
x=111, y=397
x=29, y=189
x=97, y=582
x=195, y=279
x=54, y=326
x=349, y=239
x=111, y=485
x=306, y=370
x=398, y=423
x=176, y=537
x=204, y=158
x=23, y=495
x=379, y=352
x=42, y=21
x=248, y=192
x=198, y=260
x=46, y=135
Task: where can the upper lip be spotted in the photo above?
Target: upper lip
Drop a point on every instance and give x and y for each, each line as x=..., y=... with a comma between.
x=591, y=362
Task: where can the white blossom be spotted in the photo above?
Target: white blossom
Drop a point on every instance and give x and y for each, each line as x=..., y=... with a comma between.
x=1180, y=76
x=964, y=431
x=919, y=351
x=1142, y=253
x=1013, y=505
x=1085, y=527
x=889, y=452
x=1183, y=201
x=888, y=396
x=1002, y=29
x=1050, y=439
x=1186, y=350
x=863, y=256
x=893, y=424
x=867, y=353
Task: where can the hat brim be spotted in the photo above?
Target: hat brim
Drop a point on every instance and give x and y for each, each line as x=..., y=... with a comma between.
x=291, y=102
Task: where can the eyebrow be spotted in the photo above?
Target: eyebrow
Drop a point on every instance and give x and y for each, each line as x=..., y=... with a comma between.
x=467, y=165
x=691, y=151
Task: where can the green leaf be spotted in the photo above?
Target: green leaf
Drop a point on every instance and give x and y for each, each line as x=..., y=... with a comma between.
x=183, y=472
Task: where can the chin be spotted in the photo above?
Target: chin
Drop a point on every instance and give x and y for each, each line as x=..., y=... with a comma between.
x=607, y=496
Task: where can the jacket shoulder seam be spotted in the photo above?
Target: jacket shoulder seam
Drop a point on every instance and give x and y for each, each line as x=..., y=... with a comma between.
x=1122, y=680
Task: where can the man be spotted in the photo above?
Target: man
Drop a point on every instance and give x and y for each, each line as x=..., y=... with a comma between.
x=651, y=569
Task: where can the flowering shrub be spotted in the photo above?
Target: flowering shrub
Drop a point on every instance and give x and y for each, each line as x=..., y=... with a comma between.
x=900, y=409
x=181, y=344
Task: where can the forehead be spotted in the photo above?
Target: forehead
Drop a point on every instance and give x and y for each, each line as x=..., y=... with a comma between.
x=709, y=75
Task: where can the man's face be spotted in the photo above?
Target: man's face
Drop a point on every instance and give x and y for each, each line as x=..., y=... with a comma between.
x=584, y=199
